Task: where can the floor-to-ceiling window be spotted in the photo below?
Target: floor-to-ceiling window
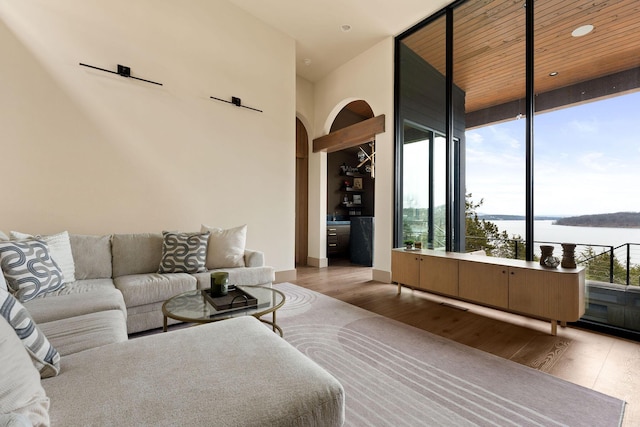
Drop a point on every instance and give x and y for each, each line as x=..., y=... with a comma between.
x=489, y=66
x=586, y=153
x=428, y=162
x=462, y=76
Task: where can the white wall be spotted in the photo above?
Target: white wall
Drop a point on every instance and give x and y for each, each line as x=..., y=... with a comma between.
x=92, y=152
x=304, y=103
x=317, y=191
x=369, y=77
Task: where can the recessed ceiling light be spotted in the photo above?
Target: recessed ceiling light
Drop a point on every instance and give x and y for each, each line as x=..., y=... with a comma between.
x=553, y=73
x=345, y=28
x=582, y=31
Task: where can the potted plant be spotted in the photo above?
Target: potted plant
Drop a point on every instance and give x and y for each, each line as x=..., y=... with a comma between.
x=408, y=244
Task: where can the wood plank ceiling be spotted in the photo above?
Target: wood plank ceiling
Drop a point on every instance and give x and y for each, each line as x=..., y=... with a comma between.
x=489, y=46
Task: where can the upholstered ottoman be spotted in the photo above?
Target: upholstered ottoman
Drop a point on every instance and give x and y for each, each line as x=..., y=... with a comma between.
x=230, y=373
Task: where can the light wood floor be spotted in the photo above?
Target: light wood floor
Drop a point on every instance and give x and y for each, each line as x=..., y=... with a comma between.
x=601, y=362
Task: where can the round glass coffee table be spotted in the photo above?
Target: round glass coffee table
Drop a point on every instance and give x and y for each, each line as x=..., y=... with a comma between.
x=193, y=307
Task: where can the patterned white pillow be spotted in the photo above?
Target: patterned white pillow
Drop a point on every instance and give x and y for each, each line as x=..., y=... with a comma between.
x=3, y=282
x=44, y=356
x=226, y=247
x=29, y=269
x=21, y=392
x=183, y=252
x=59, y=248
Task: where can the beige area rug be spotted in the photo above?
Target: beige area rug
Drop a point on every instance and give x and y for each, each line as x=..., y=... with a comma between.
x=398, y=375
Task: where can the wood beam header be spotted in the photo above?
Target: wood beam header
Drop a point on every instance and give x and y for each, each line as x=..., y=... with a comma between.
x=351, y=136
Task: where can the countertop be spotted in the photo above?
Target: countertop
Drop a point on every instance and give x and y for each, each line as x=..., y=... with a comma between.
x=338, y=222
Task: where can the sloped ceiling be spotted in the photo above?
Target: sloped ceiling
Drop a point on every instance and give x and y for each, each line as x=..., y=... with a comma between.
x=316, y=26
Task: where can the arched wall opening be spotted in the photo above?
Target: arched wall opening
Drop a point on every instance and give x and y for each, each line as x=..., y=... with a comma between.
x=350, y=191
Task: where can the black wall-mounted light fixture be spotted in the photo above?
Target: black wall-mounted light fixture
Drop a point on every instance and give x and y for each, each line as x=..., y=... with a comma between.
x=237, y=102
x=123, y=71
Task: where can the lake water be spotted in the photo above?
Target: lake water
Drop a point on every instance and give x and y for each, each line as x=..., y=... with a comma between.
x=546, y=231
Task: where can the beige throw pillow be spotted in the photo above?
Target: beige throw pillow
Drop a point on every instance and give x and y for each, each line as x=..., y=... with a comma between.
x=59, y=248
x=226, y=247
x=20, y=388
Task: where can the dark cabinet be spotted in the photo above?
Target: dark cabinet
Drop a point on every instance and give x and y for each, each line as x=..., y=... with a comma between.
x=338, y=240
x=361, y=241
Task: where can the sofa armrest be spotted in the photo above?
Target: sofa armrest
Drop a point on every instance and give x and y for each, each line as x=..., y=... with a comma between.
x=14, y=420
x=253, y=258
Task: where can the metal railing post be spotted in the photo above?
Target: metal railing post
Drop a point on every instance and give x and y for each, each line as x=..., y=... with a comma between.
x=628, y=262
x=611, y=264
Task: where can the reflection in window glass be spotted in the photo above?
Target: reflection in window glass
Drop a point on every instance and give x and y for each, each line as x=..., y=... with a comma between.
x=424, y=185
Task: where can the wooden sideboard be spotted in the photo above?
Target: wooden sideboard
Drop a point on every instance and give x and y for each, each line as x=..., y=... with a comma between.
x=523, y=287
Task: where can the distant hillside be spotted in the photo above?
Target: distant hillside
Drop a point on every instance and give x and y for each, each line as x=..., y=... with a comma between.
x=614, y=220
x=490, y=217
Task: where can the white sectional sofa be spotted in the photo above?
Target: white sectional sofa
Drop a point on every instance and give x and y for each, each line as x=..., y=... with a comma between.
x=130, y=263
x=234, y=372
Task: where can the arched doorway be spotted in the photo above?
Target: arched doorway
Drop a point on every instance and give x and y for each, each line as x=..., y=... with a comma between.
x=350, y=192
x=302, y=194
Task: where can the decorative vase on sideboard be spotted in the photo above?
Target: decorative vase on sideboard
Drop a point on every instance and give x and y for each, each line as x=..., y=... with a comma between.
x=568, y=255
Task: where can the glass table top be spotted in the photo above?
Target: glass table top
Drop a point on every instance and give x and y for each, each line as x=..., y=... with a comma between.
x=192, y=306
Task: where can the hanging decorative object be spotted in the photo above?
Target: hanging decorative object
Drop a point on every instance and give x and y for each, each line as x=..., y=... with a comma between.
x=366, y=157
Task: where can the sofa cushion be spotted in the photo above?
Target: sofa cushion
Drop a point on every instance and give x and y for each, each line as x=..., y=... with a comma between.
x=3, y=237
x=92, y=256
x=226, y=247
x=79, y=287
x=253, y=258
x=14, y=420
x=87, y=331
x=29, y=269
x=140, y=289
x=183, y=252
x=59, y=248
x=63, y=306
x=136, y=253
x=45, y=357
x=146, y=317
x=230, y=373
x=20, y=388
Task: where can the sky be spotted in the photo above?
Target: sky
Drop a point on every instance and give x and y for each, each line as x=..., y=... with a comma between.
x=586, y=161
